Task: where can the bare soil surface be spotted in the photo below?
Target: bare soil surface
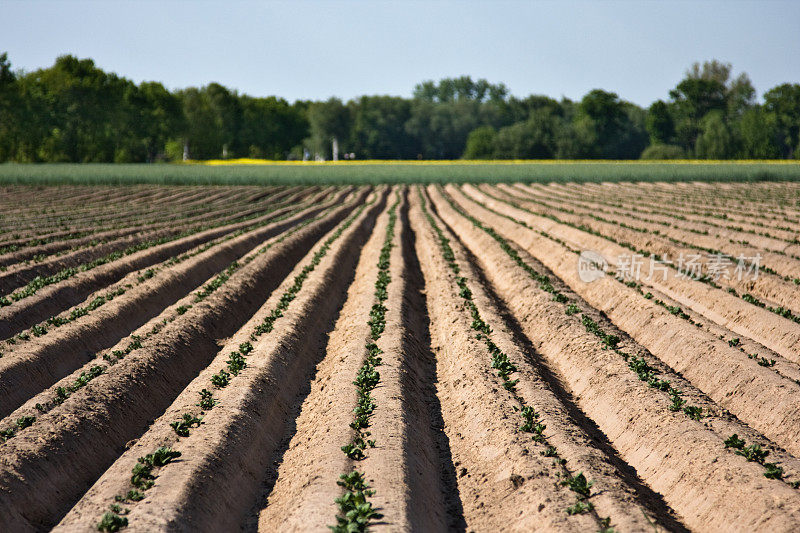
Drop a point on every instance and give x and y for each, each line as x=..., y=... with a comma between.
x=222, y=378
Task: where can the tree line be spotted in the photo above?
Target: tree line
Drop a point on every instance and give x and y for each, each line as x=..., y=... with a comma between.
x=74, y=111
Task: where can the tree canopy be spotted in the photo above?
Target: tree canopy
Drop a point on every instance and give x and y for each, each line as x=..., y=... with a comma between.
x=74, y=111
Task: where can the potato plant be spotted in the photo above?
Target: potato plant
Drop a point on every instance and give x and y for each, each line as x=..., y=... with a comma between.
x=142, y=478
x=502, y=364
x=610, y=341
x=355, y=511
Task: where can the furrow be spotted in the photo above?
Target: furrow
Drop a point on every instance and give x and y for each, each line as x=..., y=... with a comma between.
x=85, y=434
x=675, y=455
x=723, y=307
x=45, y=360
x=234, y=449
x=54, y=298
x=502, y=478
x=759, y=397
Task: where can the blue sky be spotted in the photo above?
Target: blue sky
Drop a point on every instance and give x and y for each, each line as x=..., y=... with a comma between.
x=307, y=49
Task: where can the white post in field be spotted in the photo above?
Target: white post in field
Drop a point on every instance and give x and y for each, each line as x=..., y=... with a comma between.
x=335, y=149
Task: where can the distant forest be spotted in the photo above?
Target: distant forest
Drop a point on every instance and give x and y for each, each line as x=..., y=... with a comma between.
x=76, y=112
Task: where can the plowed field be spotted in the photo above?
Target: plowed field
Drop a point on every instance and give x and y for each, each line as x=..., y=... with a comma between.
x=564, y=357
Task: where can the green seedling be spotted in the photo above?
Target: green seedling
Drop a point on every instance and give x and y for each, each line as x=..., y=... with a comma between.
x=464, y=291
x=189, y=421
x=560, y=298
x=221, y=380
x=677, y=311
x=753, y=453
x=677, y=401
x=353, y=452
x=550, y=451
x=579, y=485
x=605, y=525
x=112, y=522
x=773, y=471
x=25, y=421
x=132, y=495
x=236, y=363
x=367, y=378
x=116, y=508
x=207, y=400
x=734, y=442
x=142, y=477
x=593, y=327
x=532, y=424
x=355, y=511
x=693, y=412
x=659, y=384
x=135, y=344
x=161, y=456
x=580, y=508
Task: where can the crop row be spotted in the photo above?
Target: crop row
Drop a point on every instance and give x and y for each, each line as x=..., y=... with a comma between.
x=355, y=509
x=655, y=215
x=530, y=419
x=610, y=341
x=643, y=370
x=43, y=281
x=749, y=298
x=235, y=364
x=104, y=360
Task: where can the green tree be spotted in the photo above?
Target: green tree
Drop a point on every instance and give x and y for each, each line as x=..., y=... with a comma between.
x=759, y=135
x=161, y=118
x=663, y=151
x=715, y=140
x=74, y=111
x=783, y=102
x=441, y=129
x=378, y=128
x=225, y=106
x=481, y=143
x=693, y=99
x=609, y=128
x=82, y=109
x=533, y=139
x=741, y=96
x=10, y=116
x=202, y=128
x=706, y=88
x=713, y=70
x=328, y=120
x=515, y=110
x=459, y=89
x=659, y=123
x=270, y=127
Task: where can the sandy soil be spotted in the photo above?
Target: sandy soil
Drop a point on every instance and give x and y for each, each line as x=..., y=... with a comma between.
x=451, y=451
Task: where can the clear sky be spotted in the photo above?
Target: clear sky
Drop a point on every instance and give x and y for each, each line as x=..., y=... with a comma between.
x=306, y=49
